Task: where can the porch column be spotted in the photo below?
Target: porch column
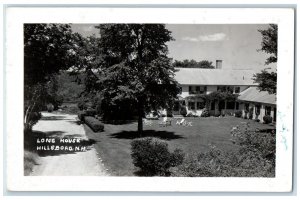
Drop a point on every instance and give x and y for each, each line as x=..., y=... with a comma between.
x=272, y=112
x=262, y=113
x=253, y=111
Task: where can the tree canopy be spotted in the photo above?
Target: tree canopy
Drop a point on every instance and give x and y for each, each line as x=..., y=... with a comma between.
x=135, y=71
x=193, y=64
x=268, y=80
x=269, y=42
x=48, y=48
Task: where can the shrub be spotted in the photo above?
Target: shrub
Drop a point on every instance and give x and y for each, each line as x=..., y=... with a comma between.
x=213, y=163
x=153, y=157
x=90, y=112
x=205, y=113
x=238, y=113
x=94, y=124
x=255, y=157
x=183, y=111
x=267, y=119
x=218, y=163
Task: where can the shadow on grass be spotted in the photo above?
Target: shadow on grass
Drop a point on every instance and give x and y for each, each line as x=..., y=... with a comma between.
x=56, y=143
x=119, y=122
x=148, y=174
x=166, y=135
x=77, y=122
x=53, y=118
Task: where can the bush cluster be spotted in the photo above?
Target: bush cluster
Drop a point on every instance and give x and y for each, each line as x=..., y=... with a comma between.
x=205, y=113
x=89, y=112
x=254, y=158
x=183, y=111
x=238, y=113
x=267, y=119
x=94, y=124
x=153, y=157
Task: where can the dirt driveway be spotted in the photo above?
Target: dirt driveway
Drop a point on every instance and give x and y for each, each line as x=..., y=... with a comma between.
x=66, y=163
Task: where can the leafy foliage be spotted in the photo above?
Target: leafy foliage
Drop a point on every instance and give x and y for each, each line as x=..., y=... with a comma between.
x=193, y=64
x=205, y=113
x=48, y=48
x=269, y=42
x=93, y=123
x=153, y=157
x=254, y=158
x=268, y=80
x=267, y=119
x=135, y=73
x=238, y=113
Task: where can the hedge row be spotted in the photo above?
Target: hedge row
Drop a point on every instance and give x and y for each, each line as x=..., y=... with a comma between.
x=93, y=123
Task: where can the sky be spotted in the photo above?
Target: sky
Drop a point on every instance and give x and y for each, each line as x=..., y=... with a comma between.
x=236, y=45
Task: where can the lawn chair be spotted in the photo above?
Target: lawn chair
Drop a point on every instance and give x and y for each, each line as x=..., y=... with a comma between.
x=165, y=122
x=147, y=122
x=186, y=123
x=180, y=122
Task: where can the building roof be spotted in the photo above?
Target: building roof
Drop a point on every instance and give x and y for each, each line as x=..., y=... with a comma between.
x=196, y=76
x=253, y=94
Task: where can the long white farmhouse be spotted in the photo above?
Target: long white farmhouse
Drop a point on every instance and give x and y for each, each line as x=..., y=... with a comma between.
x=196, y=84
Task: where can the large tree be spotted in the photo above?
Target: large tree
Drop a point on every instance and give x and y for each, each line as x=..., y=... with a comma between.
x=268, y=80
x=135, y=70
x=48, y=48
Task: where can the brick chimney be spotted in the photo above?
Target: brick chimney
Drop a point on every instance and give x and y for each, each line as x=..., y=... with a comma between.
x=218, y=64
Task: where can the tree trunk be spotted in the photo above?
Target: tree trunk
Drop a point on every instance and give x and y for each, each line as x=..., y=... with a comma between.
x=140, y=119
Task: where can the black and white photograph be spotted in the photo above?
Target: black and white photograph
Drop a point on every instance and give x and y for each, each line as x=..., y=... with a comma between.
x=150, y=100
x=111, y=100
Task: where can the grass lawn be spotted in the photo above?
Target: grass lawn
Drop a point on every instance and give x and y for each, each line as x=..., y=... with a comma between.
x=113, y=145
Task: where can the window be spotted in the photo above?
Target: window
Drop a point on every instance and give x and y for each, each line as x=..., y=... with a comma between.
x=230, y=105
x=202, y=89
x=221, y=88
x=230, y=89
x=200, y=105
x=197, y=89
x=192, y=90
x=191, y=105
x=237, y=90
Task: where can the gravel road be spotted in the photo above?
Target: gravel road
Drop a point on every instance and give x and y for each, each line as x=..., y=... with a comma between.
x=64, y=163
